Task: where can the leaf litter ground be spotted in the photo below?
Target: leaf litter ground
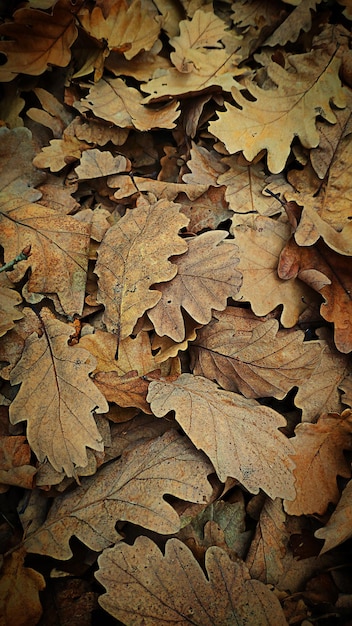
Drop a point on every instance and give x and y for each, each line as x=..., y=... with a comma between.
x=176, y=313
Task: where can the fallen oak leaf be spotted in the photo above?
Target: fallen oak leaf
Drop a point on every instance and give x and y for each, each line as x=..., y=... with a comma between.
x=133, y=256
x=206, y=277
x=57, y=397
x=36, y=39
x=260, y=245
x=251, y=355
x=112, y=100
x=339, y=527
x=59, y=250
x=238, y=434
x=125, y=28
x=129, y=489
x=19, y=591
x=9, y=300
x=319, y=459
x=276, y=116
x=129, y=390
x=157, y=589
x=329, y=273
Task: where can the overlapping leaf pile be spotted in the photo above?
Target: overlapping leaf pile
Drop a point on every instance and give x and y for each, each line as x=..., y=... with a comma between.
x=176, y=335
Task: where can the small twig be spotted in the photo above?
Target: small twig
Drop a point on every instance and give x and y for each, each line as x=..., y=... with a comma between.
x=276, y=196
x=22, y=256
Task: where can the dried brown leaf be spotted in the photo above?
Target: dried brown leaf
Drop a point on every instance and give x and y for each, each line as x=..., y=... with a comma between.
x=15, y=457
x=96, y=164
x=328, y=273
x=157, y=590
x=125, y=27
x=319, y=460
x=19, y=592
x=206, y=277
x=112, y=100
x=59, y=250
x=239, y=435
x=132, y=489
x=57, y=397
x=18, y=176
x=9, y=300
x=247, y=354
x=339, y=527
x=35, y=40
x=260, y=246
x=278, y=115
x=133, y=256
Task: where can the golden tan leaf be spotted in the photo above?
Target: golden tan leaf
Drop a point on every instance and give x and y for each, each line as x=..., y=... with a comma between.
x=328, y=273
x=205, y=166
x=96, y=164
x=19, y=592
x=319, y=393
x=319, y=460
x=326, y=208
x=260, y=246
x=127, y=28
x=198, y=67
x=57, y=397
x=239, y=435
x=247, y=354
x=269, y=549
x=97, y=132
x=206, y=277
x=59, y=250
x=133, y=256
x=35, y=40
x=244, y=184
x=331, y=137
x=207, y=211
x=9, y=299
x=278, y=115
x=18, y=176
x=142, y=67
x=161, y=189
x=196, y=42
x=339, y=527
x=299, y=19
x=60, y=153
x=15, y=458
x=131, y=488
x=53, y=114
x=157, y=589
x=12, y=344
x=129, y=390
x=112, y=100
x=134, y=353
